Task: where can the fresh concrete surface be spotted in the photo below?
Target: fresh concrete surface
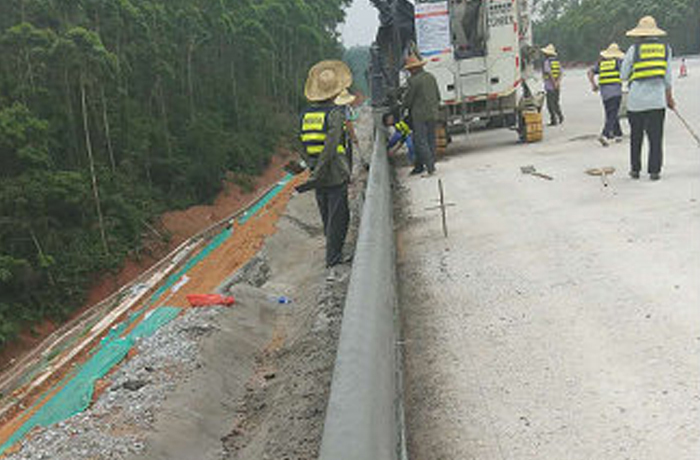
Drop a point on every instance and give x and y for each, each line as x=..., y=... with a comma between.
x=560, y=319
x=361, y=418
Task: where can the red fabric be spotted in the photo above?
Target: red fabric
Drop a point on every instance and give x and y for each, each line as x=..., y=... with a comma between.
x=204, y=300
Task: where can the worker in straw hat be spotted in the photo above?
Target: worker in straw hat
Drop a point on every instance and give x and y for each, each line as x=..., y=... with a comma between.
x=422, y=101
x=610, y=86
x=323, y=136
x=647, y=67
x=551, y=74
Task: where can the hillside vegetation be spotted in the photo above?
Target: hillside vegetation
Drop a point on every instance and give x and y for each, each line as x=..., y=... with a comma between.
x=112, y=111
x=581, y=28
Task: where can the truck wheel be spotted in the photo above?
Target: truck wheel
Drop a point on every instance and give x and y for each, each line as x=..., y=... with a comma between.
x=441, y=139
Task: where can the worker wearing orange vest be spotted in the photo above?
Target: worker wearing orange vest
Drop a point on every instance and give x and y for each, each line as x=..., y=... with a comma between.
x=647, y=67
x=610, y=87
x=552, y=73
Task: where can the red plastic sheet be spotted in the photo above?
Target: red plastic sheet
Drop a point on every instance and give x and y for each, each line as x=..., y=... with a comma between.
x=206, y=300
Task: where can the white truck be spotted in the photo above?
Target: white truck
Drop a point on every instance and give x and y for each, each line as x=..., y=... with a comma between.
x=480, y=52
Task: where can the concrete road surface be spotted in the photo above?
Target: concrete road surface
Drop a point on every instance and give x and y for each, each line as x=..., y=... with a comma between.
x=561, y=319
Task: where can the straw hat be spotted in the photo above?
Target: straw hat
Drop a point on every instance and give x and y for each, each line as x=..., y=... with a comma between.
x=613, y=52
x=549, y=50
x=345, y=98
x=326, y=80
x=646, y=28
x=412, y=61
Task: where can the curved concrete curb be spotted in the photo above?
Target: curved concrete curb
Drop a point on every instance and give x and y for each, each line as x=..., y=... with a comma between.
x=364, y=410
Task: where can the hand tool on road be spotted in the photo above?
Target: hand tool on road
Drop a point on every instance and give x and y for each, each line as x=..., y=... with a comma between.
x=603, y=172
x=687, y=126
x=530, y=169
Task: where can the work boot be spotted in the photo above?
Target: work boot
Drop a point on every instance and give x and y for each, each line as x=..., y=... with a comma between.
x=634, y=174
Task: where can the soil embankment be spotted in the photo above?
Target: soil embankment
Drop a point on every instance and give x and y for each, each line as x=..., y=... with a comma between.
x=178, y=225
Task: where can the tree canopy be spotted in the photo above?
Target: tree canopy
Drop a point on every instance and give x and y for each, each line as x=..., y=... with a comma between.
x=112, y=111
x=580, y=29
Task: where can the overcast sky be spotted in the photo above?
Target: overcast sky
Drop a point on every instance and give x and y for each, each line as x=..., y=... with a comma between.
x=361, y=24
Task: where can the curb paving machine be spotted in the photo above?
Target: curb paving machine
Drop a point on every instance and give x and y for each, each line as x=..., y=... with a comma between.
x=481, y=53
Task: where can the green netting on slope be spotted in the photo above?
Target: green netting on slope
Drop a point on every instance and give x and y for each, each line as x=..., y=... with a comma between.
x=264, y=200
x=76, y=395
x=220, y=238
x=172, y=279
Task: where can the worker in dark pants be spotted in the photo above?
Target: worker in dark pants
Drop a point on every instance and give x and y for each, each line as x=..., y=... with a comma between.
x=610, y=87
x=324, y=138
x=422, y=102
x=551, y=74
x=647, y=67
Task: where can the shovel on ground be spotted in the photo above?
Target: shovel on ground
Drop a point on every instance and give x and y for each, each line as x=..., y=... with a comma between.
x=530, y=169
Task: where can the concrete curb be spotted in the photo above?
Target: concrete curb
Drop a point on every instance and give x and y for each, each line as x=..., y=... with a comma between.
x=363, y=419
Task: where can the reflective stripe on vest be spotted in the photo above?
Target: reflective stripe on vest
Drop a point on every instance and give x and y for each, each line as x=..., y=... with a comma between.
x=314, y=127
x=403, y=128
x=650, y=61
x=609, y=72
x=555, y=68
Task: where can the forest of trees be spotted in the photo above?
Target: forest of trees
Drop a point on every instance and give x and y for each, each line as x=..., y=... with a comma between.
x=357, y=58
x=113, y=111
x=581, y=28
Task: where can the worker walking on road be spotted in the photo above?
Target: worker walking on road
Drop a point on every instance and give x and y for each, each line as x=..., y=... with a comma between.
x=422, y=101
x=552, y=74
x=324, y=138
x=610, y=86
x=647, y=66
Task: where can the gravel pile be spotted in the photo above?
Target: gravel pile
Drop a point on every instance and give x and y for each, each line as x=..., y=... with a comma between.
x=114, y=426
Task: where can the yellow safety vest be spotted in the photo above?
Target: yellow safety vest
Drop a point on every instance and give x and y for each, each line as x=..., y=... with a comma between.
x=314, y=129
x=650, y=61
x=555, y=68
x=403, y=128
x=609, y=72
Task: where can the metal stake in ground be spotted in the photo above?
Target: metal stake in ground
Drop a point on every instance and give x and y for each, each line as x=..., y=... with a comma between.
x=442, y=207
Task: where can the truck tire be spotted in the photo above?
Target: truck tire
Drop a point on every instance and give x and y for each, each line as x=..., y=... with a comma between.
x=442, y=139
